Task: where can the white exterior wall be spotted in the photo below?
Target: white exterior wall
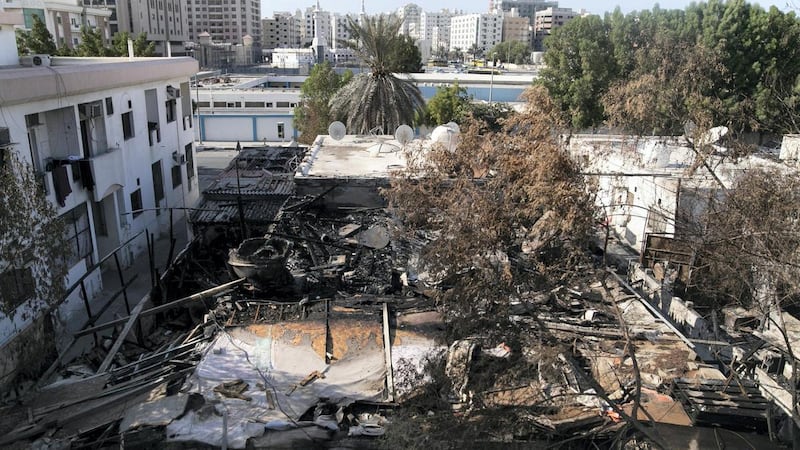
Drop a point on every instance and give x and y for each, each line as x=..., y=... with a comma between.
x=8, y=41
x=483, y=30
x=119, y=166
x=292, y=58
x=339, y=30
x=410, y=13
x=644, y=197
x=435, y=28
x=247, y=123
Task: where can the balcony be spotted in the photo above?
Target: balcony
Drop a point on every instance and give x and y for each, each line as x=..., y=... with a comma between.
x=108, y=171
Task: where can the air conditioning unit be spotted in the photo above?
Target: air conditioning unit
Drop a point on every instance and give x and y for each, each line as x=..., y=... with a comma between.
x=35, y=60
x=95, y=110
x=179, y=159
x=90, y=110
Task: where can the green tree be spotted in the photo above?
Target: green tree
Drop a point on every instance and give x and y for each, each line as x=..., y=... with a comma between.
x=449, y=104
x=441, y=53
x=515, y=52
x=476, y=51
x=31, y=238
x=673, y=82
x=141, y=46
x=92, y=44
x=406, y=57
x=37, y=40
x=580, y=67
x=376, y=98
x=313, y=115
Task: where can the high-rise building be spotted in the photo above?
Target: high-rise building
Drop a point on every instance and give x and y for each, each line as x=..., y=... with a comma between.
x=525, y=8
x=483, y=31
x=280, y=31
x=162, y=20
x=308, y=25
x=340, y=30
x=516, y=27
x=435, y=29
x=226, y=21
x=548, y=20
x=411, y=14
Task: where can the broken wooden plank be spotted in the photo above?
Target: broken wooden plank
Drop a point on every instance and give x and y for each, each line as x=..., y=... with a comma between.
x=123, y=334
x=387, y=347
x=167, y=306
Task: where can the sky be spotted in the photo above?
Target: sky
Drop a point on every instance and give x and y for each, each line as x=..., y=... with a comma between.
x=474, y=6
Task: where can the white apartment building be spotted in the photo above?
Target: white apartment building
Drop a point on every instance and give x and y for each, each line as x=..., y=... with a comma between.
x=483, y=30
x=63, y=18
x=307, y=25
x=435, y=29
x=111, y=141
x=226, y=21
x=340, y=30
x=411, y=15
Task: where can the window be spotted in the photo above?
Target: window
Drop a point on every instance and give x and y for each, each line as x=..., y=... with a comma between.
x=78, y=235
x=187, y=150
x=109, y=106
x=253, y=104
x=283, y=104
x=127, y=125
x=170, y=105
x=158, y=183
x=136, y=202
x=176, y=176
x=280, y=130
x=16, y=286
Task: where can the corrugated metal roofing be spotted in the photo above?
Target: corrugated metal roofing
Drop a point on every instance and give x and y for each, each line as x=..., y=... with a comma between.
x=211, y=212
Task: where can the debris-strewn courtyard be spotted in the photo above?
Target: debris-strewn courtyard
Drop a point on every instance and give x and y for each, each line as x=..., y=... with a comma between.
x=323, y=329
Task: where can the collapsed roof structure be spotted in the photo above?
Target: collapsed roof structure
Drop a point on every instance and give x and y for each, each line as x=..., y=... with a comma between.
x=299, y=317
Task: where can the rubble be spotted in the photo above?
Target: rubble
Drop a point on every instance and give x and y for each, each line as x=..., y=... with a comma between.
x=324, y=327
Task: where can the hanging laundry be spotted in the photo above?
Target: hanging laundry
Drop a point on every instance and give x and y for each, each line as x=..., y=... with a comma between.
x=61, y=183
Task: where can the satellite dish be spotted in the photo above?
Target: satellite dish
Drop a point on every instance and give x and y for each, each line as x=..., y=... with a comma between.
x=337, y=130
x=404, y=134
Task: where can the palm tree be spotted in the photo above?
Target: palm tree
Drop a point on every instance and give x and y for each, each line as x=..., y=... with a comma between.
x=377, y=98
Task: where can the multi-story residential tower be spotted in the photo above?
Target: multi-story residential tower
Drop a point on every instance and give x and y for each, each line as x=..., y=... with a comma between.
x=227, y=21
x=435, y=29
x=549, y=19
x=280, y=31
x=411, y=15
x=526, y=8
x=516, y=27
x=481, y=30
x=164, y=21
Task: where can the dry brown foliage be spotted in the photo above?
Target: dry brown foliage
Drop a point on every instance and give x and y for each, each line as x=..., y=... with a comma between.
x=505, y=208
x=750, y=243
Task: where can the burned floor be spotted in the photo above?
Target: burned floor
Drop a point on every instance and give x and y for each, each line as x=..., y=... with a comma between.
x=320, y=330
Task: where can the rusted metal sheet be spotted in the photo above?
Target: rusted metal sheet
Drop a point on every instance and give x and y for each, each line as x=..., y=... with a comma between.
x=348, y=337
